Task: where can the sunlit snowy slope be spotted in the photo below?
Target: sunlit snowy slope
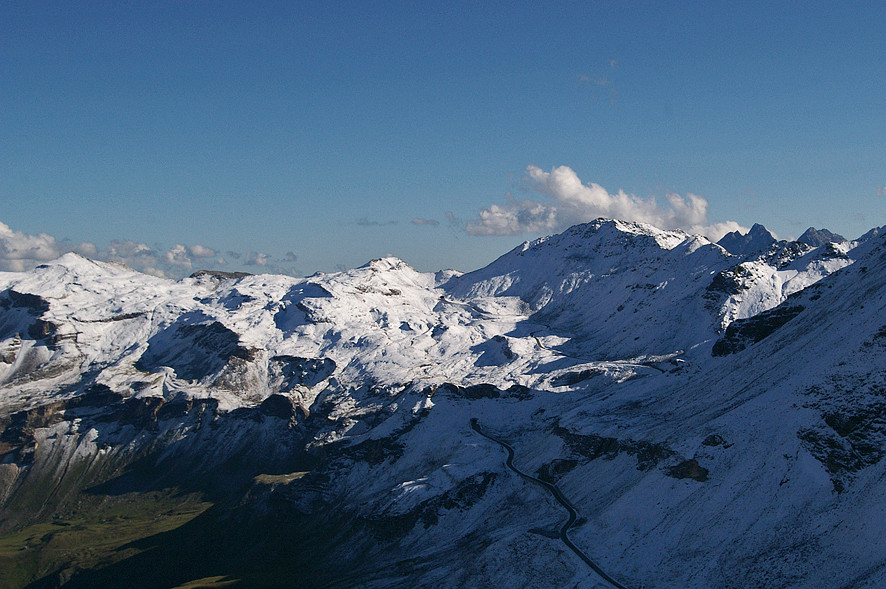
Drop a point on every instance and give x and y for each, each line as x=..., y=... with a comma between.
x=713, y=412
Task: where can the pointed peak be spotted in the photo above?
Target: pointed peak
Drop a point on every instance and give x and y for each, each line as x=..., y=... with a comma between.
x=758, y=229
x=72, y=258
x=756, y=240
x=74, y=262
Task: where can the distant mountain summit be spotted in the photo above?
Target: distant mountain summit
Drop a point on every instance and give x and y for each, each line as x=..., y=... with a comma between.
x=819, y=237
x=754, y=241
x=875, y=232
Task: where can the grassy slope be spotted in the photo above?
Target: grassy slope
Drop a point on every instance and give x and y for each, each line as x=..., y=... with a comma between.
x=94, y=536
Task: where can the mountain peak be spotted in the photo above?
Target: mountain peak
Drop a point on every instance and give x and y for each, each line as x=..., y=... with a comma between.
x=603, y=229
x=875, y=232
x=75, y=266
x=386, y=263
x=818, y=237
x=756, y=240
x=71, y=260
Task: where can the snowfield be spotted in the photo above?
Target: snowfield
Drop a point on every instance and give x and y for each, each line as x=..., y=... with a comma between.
x=717, y=418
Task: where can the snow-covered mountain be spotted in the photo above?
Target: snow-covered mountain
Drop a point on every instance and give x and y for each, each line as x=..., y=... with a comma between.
x=713, y=414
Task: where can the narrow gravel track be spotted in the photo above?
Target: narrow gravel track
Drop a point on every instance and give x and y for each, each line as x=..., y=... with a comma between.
x=561, y=499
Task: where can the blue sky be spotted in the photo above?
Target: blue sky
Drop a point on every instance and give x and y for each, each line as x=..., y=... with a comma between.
x=305, y=136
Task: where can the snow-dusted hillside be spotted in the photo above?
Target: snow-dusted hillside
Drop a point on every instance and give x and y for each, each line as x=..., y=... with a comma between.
x=715, y=418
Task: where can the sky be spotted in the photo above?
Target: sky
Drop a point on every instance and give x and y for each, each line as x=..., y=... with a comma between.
x=298, y=137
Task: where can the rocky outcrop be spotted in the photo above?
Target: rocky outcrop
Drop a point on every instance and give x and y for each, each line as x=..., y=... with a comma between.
x=744, y=332
x=689, y=469
x=194, y=347
x=593, y=447
x=483, y=391
x=286, y=372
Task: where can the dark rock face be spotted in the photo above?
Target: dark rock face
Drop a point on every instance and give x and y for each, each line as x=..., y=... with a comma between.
x=97, y=396
x=42, y=329
x=17, y=442
x=728, y=282
x=714, y=440
x=519, y=391
x=744, y=332
x=648, y=456
x=756, y=240
x=150, y=444
x=278, y=406
x=21, y=313
x=851, y=437
x=220, y=275
x=830, y=251
x=592, y=447
x=785, y=253
x=295, y=370
x=34, y=304
x=175, y=410
x=689, y=469
x=484, y=391
x=462, y=496
x=97, y=405
x=194, y=347
x=818, y=237
x=841, y=455
x=725, y=284
x=478, y=391
x=572, y=378
x=551, y=472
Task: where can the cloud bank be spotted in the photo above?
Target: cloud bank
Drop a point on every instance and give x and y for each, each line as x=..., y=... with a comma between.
x=20, y=252
x=569, y=202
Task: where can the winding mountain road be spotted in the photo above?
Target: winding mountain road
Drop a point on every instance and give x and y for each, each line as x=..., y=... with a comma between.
x=561, y=499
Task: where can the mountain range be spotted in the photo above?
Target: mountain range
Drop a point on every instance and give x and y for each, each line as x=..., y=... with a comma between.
x=614, y=406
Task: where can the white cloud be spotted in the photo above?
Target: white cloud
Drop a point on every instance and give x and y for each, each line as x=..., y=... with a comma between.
x=199, y=251
x=184, y=256
x=178, y=256
x=120, y=250
x=86, y=249
x=571, y=202
x=134, y=254
x=21, y=251
x=428, y=222
x=256, y=259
